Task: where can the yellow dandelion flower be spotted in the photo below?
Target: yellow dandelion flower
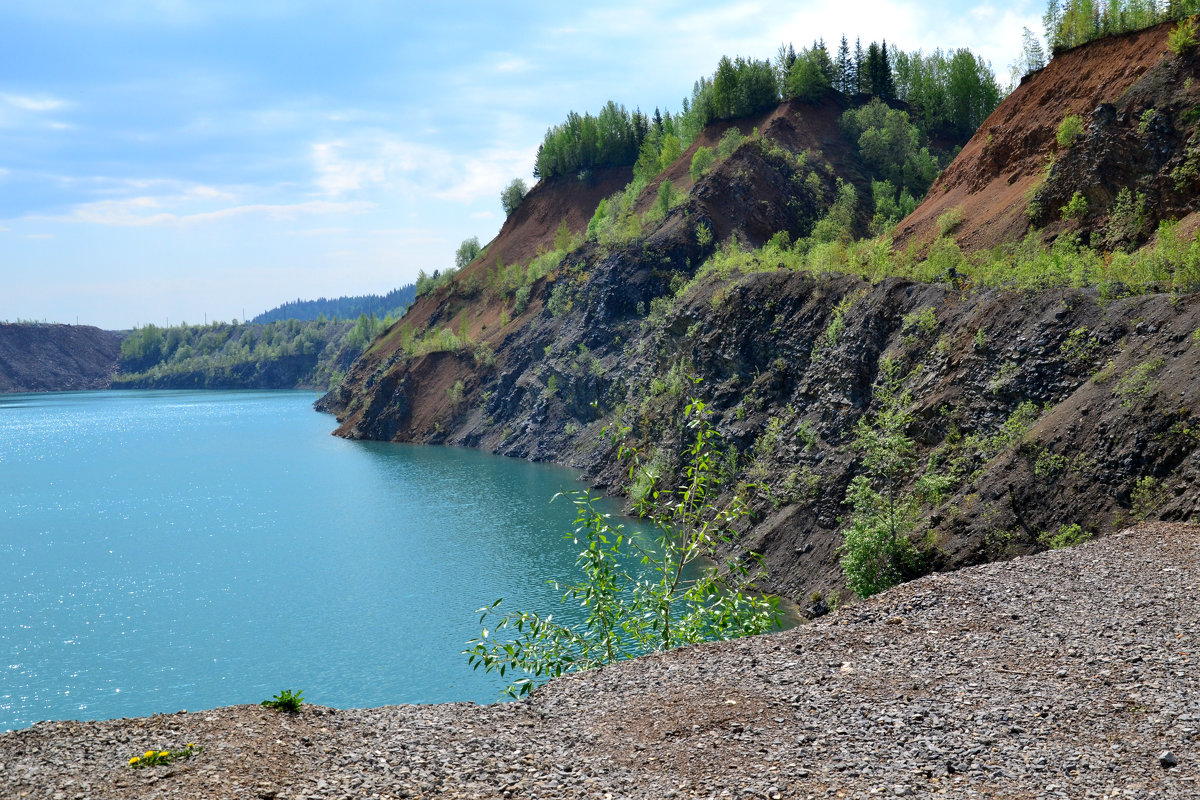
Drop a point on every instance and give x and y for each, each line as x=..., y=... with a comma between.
x=149, y=754
x=163, y=753
x=191, y=744
x=135, y=759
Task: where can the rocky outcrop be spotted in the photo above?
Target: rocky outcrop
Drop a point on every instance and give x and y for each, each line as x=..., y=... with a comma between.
x=37, y=357
x=1041, y=410
x=1137, y=106
x=1067, y=674
x=1049, y=410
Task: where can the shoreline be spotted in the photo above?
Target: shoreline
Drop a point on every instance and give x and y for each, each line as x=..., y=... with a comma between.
x=1056, y=675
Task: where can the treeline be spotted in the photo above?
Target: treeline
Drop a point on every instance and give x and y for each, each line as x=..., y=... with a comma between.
x=391, y=304
x=950, y=93
x=1071, y=23
x=279, y=355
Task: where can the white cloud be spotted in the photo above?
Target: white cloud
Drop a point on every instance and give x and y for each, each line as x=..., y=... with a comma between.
x=20, y=110
x=510, y=63
x=381, y=163
x=147, y=210
x=39, y=104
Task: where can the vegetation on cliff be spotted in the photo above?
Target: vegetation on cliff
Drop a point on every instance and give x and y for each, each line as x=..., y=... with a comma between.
x=949, y=94
x=642, y=597
x=759, y=261
x=1070, y=23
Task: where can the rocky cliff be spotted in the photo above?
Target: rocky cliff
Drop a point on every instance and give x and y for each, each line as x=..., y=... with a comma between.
x=1137, y=105
x=1064, y=412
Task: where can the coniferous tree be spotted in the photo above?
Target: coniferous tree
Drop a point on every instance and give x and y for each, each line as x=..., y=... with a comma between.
x=820, y=58
x=861, y=83
x=872, y=69
x=887, y=84
x=641, y=126
x=1033, y=57
x=843, y=68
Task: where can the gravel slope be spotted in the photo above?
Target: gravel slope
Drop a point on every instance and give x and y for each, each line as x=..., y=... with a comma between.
x=1066, y=674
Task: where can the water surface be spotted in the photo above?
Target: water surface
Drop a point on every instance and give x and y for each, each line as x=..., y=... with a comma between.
x=169, y=550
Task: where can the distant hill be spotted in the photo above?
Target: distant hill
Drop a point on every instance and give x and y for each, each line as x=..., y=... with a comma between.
x=391, y=304
x=39, y=357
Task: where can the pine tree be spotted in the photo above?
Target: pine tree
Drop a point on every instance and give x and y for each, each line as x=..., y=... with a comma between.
x=820, y=57
x=887, y=82
x=861, y=84
x=843, y=67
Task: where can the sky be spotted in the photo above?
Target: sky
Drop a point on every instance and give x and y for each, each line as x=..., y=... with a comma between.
x=168, y=161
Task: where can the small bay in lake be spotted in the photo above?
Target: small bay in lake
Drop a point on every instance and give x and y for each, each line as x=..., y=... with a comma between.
x=171, y=550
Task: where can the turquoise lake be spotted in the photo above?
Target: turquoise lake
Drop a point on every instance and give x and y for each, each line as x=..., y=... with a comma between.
x=185, y=550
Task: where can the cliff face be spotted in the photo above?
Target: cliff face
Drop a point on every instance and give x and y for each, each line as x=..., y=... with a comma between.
x=53, y=358
x=1137, y=107
x=1040, y=410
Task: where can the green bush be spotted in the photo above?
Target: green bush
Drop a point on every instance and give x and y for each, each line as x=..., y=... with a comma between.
x=559, y=302
x=630, y=614
x=949, y=222
x=1076, y=208
x=467, y=252
x=1139, y=382
x=1066, y=536
x=1128, y=219
x=286, y=700
x=878, y=551
x=702, y=161
x=512, y=195
x=1182, y=39
x=521, y=300
x=731, y=140
x=1145, y=121
x=1068, y=129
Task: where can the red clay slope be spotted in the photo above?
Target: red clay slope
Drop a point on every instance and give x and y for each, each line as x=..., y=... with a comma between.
x=1007, y=156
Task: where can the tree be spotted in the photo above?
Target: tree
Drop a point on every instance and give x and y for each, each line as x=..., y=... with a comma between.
x=861, y=84
x=512, y=195
x=702, y=161
x=679, y=597
x=888, y=141
x=971, y=92
x=878, y=551
x=1032, y=58
x=467, y=252
x=844, y=69
x=808, y=80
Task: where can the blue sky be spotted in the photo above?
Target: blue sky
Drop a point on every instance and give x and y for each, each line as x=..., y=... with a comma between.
x=182, y=160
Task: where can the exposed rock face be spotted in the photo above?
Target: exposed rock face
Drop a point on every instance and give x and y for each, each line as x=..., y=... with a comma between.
x=1067, y=674
x=1137, y=103
x=52, y=358
x=1048, y=410
x=1108, y=389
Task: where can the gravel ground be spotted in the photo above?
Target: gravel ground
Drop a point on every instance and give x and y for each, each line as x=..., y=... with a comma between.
x=1068, y=674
